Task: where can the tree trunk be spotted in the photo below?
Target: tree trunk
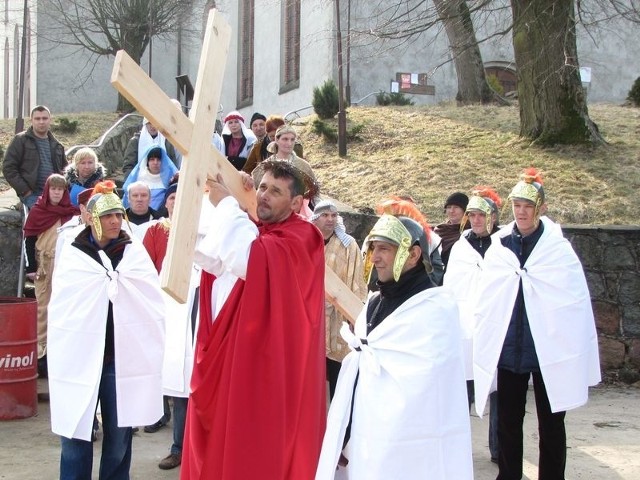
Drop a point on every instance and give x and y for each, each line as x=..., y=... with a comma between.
x=472, y=82
x=553, y=105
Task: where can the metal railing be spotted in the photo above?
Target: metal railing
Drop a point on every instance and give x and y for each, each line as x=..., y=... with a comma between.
x=358, y=102
x=295, y=114
x=23, y=254
x=71, y=150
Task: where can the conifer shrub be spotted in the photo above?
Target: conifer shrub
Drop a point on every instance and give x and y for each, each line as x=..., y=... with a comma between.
x=634, y=93
x=325, y=100
x=396, y=98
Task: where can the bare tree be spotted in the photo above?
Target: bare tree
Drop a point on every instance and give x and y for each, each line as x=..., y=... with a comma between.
x=472, y=82
x=408, y=19
x=553, y=106
x=103, y=27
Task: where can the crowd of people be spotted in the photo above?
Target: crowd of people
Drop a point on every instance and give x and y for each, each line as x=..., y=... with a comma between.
x=455, y=315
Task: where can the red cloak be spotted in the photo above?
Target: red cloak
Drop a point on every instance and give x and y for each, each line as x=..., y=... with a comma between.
x=43, y=215
x=258, y=404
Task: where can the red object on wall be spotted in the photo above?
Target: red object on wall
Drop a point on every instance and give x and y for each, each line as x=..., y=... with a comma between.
x=18, y=358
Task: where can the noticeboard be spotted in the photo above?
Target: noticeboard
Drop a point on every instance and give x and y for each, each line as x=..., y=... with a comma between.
x=413, y=83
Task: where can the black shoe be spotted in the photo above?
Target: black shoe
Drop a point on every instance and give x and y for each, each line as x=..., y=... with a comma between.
x=134, y=430
x=156, y=426
x=171, y=461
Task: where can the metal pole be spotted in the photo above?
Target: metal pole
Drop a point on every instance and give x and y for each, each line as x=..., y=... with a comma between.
x=179, y=61
x=151, y=13
x=342, y=115
x=347, y=89
x=23, y=59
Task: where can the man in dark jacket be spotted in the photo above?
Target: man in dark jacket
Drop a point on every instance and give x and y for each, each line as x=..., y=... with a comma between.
x=32, y=156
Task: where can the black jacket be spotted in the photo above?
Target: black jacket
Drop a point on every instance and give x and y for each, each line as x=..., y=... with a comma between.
x=22, y=161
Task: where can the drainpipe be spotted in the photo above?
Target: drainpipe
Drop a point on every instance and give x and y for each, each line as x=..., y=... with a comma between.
x=23, y=60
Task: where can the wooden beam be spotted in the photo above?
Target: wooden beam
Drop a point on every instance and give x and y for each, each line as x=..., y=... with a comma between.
x=192, y=137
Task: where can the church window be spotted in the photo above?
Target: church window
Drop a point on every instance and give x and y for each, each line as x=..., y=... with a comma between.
x=290, y=46
x=246, y=41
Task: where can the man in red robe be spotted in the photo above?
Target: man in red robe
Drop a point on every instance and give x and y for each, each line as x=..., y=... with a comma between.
x=258, y=402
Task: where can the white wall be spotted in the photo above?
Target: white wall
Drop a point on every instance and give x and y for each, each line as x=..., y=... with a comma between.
x=7, y=29
x=62, y=80
x=70, y=81
x=316, y=56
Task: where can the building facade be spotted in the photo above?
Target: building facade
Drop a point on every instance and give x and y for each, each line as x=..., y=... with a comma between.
x=281, y=49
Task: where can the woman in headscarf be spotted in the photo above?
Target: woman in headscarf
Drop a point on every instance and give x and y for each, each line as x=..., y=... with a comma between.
x=148, y=137
x=52, y=209
x=156, y=170
x=236, y=140
x=84, y=172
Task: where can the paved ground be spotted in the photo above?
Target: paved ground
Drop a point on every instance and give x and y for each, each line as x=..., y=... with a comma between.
x=603, y=440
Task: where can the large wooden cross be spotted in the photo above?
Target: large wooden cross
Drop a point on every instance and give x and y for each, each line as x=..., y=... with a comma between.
x=192, y=137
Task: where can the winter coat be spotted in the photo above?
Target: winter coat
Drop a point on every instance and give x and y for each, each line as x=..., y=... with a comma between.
x=22, y=161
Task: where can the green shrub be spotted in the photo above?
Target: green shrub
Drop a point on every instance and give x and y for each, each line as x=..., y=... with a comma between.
x=353, y=133
x=1, y=152
x=634, y=93
x=396, y=98
x=330, y=132
x=325, y=100
x=65, y=125
x=325, y=130
x=495, y=84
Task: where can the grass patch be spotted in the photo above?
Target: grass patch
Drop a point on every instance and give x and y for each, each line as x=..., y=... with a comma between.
x=429, y=152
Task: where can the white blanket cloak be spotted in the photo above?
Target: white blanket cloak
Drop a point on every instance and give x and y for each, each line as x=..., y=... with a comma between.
x=177, y=365
x=461, y=277
x=560, y=317
x=78, y=310
x=410, y=415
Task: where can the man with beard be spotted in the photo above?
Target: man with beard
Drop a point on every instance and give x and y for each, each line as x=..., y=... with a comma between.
x=258, y=398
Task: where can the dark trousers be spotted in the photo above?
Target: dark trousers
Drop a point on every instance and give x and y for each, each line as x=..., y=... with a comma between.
x=512, y=398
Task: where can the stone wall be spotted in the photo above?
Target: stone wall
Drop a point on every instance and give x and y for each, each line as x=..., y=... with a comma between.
x=10, y=242
x=611, y=259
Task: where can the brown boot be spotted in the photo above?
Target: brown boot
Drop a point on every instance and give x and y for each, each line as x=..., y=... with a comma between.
x=170, y=461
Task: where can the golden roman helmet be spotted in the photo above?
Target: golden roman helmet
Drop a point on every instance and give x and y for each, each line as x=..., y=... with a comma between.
x=529, y=188
x=486, y=200
x=403, y=232
x=104, y=201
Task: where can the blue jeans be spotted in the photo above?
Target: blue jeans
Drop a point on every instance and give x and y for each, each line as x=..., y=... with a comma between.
x=30, y=200
x=179, y=418
x=76, y=459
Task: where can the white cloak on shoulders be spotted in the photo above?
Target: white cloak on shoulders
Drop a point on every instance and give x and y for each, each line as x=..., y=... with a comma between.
x=461, y=278
x=559, y=310
x=78, y=310
x=410, y=413
x=177, y=365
